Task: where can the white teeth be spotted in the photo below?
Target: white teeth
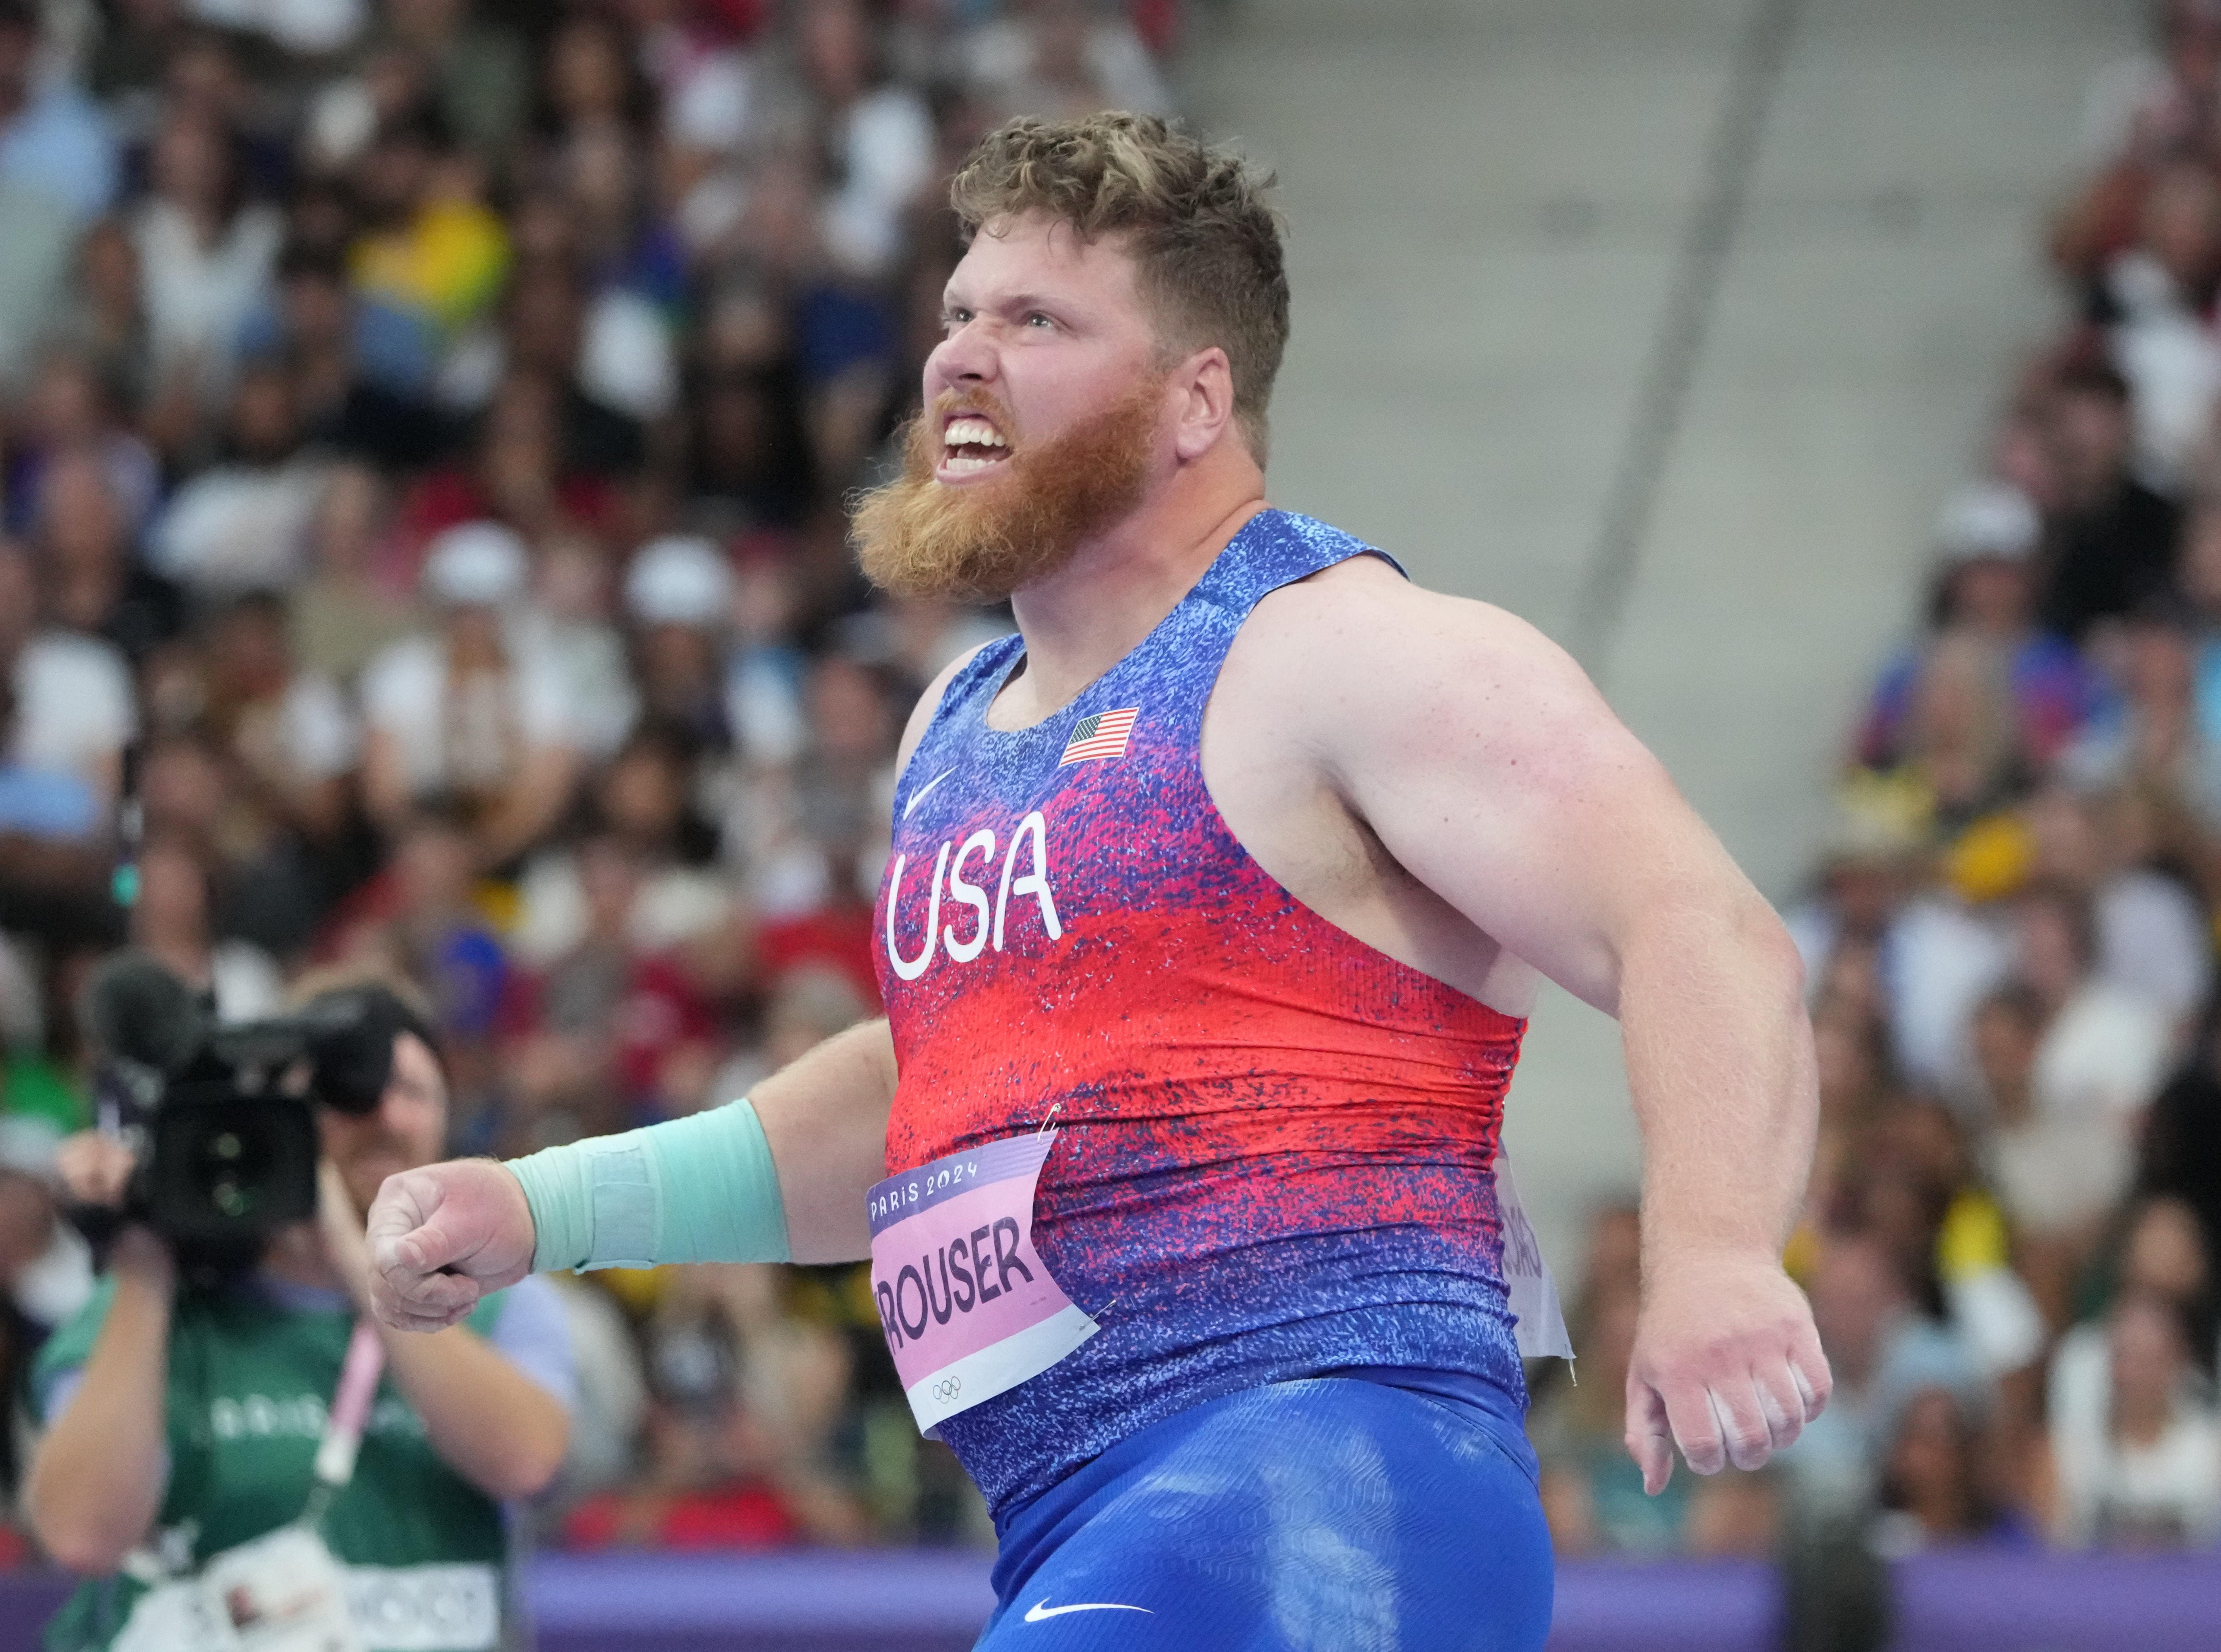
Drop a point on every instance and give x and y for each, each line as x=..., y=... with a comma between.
x=970, y=433
x=966, y=462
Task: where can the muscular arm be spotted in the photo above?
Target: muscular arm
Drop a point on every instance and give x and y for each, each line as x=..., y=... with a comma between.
x=1493, y=771
x=825, y=1117
x=779, y=1177
x=96, y=1481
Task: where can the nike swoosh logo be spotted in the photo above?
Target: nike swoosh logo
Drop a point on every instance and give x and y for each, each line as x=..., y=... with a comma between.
x=1041, y=1611
x=918, y=796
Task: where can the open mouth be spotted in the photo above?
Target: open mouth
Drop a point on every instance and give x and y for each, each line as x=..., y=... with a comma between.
x=970, y=443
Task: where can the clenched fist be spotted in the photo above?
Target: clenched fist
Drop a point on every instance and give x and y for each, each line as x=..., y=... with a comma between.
x=1727, y=1364
x=444, y=1238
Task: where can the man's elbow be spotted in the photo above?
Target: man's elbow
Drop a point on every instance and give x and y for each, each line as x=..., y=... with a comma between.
x=1774, y=951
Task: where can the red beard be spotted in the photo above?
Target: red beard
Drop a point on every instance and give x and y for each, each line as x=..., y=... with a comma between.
x=984, y=539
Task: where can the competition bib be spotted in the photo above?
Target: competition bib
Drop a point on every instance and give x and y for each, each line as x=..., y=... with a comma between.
x=968, y=1307
x=1539, y=1326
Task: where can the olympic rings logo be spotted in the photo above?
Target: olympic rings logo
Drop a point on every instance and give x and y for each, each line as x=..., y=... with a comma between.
x=945, y=1388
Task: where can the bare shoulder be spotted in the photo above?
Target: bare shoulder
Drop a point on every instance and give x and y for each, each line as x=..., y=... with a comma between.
x=1364, y=659
x=920, y=715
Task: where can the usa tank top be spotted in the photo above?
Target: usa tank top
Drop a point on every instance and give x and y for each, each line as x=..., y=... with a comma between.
x=1275, y=1145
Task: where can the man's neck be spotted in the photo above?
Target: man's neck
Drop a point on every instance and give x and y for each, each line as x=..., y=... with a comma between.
x=1082, y=619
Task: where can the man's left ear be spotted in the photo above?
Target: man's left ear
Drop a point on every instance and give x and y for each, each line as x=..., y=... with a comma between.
x=1207, y=402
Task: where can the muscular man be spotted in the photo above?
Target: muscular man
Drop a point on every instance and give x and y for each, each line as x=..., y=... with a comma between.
x=1219, y=895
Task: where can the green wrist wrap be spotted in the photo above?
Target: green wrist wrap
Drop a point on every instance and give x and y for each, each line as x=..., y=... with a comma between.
x=702, y=1188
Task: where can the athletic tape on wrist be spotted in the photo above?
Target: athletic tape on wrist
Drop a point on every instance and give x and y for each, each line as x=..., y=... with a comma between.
x=702, y=1188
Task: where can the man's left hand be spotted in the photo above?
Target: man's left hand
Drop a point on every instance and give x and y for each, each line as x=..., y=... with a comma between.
x=1727, y=1364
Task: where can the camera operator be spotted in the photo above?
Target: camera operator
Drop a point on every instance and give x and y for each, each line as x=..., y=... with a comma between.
x=181, y=1423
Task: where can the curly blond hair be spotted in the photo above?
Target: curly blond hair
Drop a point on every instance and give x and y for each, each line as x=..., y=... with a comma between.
x=1205, y=242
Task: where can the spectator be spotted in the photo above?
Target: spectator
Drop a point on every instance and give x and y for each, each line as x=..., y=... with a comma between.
x=2152, y=937
x=2104, y=1050
x=52, y=145
x=94, y=584
x=2056, y=1174
x=433, y=253
x=461, y=712
x=2163, y=1255
x=69, y=408
x=170, y=921
x=1932, y=1483
x=546, y=318
x=764, y=675
x=73, y=711
x=877, y=132
x=2154, y=104
x=1060, y=58
x=356, y=394
x=2160, y=289
x=1960, y=754
x=642, y=800
x=2114, y=537
x=809, y=1002
x=292, y=746
x=420, y=921
x=1882, y=1352
x=347, y=608
x=737, y=1457
x=243, y=524
x=1983, y=587
x=41, y=806
x=103, y=316
x=2147, y=1471
x=569, y=623
x=810, y=828
x=205, y=253
x=2180, y=1151
x=517, y=475
x=679, y=593
x=2156, y=742
x=750, y=460
x=1867, y=869
x=637, y=274
x=480, y=79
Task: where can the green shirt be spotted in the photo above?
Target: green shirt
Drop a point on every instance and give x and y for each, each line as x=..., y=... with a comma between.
x=249, y=1382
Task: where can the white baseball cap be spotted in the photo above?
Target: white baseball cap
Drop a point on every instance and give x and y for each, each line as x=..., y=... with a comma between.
x=1988, y=519
x=476, y=565
x=679, y=579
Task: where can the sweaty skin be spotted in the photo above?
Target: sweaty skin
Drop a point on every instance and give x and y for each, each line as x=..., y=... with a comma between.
x=1431, y=774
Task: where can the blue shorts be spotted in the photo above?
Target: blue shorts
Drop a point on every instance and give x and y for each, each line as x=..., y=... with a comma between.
x=1344, y=1513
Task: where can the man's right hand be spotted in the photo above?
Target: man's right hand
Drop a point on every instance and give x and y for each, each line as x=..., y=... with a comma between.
x=444, y=1238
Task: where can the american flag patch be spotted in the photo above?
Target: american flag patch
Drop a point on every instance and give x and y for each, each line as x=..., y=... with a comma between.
x=1104, y=735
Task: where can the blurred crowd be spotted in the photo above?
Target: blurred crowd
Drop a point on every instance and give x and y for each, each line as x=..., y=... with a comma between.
x=424, y=426
x=2013, y=1235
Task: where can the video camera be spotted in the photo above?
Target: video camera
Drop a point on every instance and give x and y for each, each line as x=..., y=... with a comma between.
x=221, y=1118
